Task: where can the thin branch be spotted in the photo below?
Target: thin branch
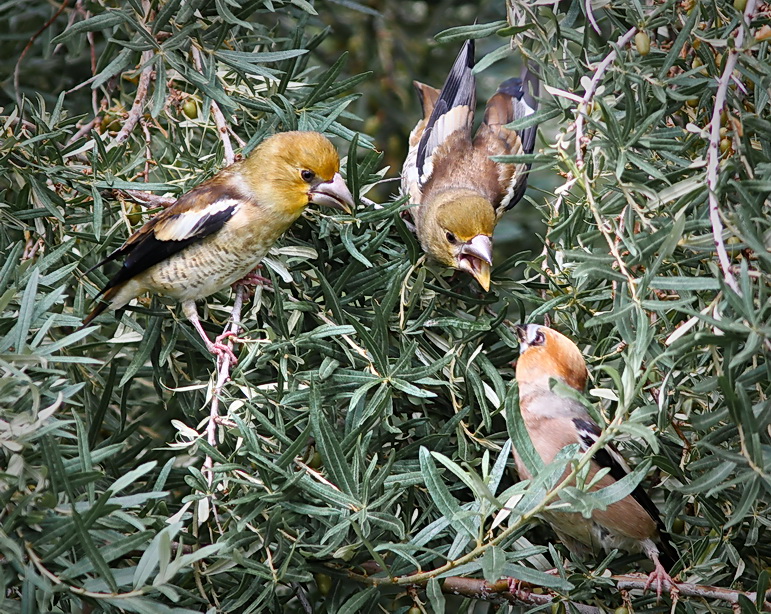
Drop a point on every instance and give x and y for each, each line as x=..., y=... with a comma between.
x=38, y=563
x=28, y=46
x=241, y=142
x=147, y=199
x=223, y=374
x=148, y=151
x=219, y=118
x=590, y=16
x=713, y=148
x=83, y=130
x=612, y=245
x=591, y=89
x=139, y=99
x=589, y=94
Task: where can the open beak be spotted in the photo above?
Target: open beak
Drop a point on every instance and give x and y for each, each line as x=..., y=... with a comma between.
x=333, y=194
x=476, y=257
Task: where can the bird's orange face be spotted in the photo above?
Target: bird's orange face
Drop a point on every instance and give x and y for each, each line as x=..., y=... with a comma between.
x=545, y=354
x=462, y=235
x=305, y=168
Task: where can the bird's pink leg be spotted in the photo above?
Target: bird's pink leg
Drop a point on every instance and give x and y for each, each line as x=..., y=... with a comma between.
x=660, y=577
x=217, y=348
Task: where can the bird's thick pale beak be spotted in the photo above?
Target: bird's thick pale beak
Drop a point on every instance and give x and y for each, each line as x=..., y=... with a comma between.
x=476, y=257
x=333, y=194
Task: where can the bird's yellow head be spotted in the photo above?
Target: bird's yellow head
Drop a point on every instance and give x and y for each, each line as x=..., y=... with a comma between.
x=458, y=230
x=298, y=168
x=544, y=353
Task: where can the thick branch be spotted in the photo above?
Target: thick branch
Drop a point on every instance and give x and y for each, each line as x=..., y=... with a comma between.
x=686, y=589
x=476, y=588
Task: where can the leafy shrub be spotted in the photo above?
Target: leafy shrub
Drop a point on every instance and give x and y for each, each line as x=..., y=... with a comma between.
x=364, y=431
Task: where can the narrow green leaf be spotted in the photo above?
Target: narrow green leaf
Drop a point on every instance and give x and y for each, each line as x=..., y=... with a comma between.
x=538, y=578
x=685, y=283
x=682, y=37
x=479, y=30
x=329, y=447
x=131, y=476
x=520, y=438
x=108, y=19
x=435, y=596
x=493, y=562
x=356, y=602
x=26, y=309
x=441, y=495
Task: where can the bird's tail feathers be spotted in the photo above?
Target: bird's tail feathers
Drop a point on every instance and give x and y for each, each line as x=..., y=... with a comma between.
x=428, y=96
x=460, y=86
x=101, y=306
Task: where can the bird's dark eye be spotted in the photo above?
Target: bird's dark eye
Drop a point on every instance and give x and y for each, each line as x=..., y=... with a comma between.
x=539, y=338
x=307, y=175
x=451, y=238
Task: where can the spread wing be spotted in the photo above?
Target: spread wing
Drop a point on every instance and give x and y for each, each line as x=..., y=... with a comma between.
x=444, y=114
x=588, y=433
x=196, y=215
x=515, y=100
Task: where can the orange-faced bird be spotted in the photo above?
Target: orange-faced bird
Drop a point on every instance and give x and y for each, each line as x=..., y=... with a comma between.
x=553, y=422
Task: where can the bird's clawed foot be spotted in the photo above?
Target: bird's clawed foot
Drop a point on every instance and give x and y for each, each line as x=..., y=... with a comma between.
x=221, y=350
x=660, y=578
x=253, y=279
x=517, y=590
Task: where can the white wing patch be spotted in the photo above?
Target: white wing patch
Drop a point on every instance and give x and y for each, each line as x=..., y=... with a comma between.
x=410, y=178
x=589, y=437
x=184, y=225
x=457, y=118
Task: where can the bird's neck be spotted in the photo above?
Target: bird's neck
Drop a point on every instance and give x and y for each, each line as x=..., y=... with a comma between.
x=540, y=402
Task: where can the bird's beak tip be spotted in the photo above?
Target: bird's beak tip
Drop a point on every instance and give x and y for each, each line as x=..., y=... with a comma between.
x=484, y=279
x=477, y=268
x=476, y=257
x=334, y=194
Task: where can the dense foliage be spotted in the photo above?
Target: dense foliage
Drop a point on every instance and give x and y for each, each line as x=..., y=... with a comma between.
x=363, y=449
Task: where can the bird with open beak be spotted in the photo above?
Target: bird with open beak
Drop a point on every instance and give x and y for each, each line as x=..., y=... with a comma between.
x=217, y=233
x=457, y=191
x=553, y=422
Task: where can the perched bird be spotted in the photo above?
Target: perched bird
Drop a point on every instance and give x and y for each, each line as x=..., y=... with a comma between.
x=218, y=232
x=459, y=191
x=553, y=422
